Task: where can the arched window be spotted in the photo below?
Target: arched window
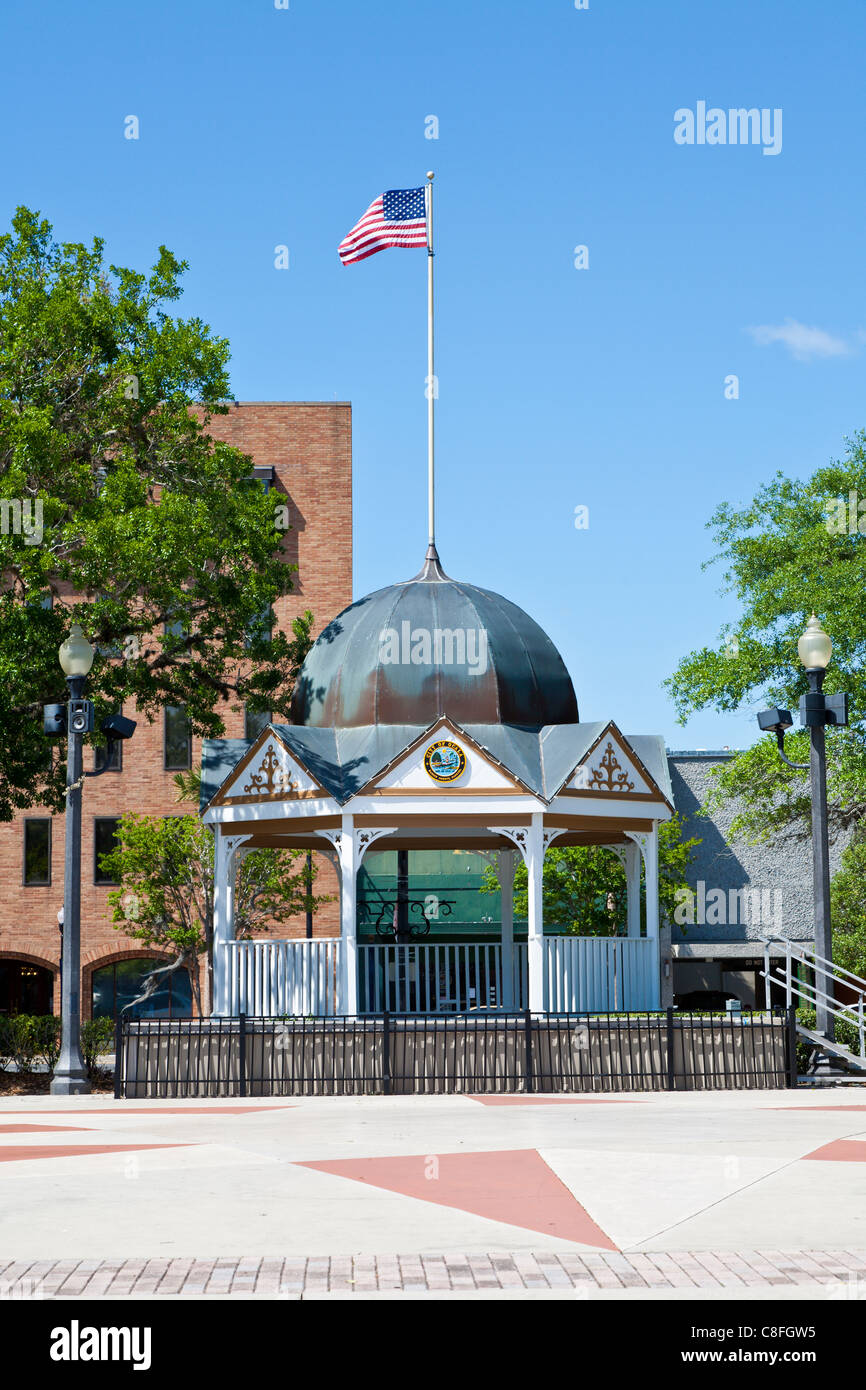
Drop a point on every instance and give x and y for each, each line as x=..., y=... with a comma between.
x=25, y=988
x=118, y=983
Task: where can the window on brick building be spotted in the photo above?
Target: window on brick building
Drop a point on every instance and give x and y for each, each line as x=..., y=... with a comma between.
x=178, y=739
x=260, y=629
x=37, y=851
x=262, y=476
x=25, y=988
x=255, y=721
x=104, y=842
x=176, y=633
x=117, y=984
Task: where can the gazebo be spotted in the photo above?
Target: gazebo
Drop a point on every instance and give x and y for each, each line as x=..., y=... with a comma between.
x=435, y=714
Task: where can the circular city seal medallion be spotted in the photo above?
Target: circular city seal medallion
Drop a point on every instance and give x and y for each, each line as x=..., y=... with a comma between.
x=444, y=761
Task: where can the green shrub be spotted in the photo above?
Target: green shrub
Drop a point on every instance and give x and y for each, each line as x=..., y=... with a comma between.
x=27, y=1039
x=6, y=1044
x=26, y=1034
x=47, y=1039
x=97, y=1036
x=32, y=1038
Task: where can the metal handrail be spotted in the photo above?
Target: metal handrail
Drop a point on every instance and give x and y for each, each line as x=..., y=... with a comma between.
x=806, y=956
x=801, y=987
x=810, y=994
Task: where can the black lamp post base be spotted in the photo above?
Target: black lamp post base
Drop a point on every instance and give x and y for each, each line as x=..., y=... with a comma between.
x=72, y=1083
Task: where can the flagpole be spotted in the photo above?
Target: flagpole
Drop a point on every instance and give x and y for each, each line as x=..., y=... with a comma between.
x=431, y=379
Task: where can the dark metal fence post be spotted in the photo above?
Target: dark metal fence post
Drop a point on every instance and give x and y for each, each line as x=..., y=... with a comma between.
x=386, y=1055
x=791, y=1037
x=671, y=1036
x=527, y=1063
x=242, y=1055
x=118, y=1056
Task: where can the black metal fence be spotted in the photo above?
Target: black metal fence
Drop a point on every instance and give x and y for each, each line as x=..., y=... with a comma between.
x=469, y=1053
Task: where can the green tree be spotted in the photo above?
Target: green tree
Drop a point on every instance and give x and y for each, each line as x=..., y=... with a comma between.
x=164, y=868
x=584, y=887
x=112, y=491
x=848, y=907
x=797, y=547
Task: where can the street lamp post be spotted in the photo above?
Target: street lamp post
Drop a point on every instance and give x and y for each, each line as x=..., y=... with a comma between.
x=815, y=650
x=75, y=719
x=60, y=929
x=817, y=710
x=70, y=1075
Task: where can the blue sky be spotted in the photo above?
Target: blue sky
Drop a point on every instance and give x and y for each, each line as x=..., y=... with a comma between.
x=559, y=387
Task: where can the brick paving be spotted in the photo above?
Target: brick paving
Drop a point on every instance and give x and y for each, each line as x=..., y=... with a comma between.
x=250, y=1276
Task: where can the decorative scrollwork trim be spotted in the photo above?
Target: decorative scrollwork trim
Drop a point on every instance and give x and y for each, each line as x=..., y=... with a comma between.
x=642, y=839
x=609, y=775
x=517, y=834
x=271, y=779
x=233, y=843
x=621, y=852
x=365, y=838
x=550, y=835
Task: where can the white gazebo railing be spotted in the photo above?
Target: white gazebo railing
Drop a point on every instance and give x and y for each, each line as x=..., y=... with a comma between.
x=608, y=974
x=273, y=978
x=451, y=977
x=582, y=974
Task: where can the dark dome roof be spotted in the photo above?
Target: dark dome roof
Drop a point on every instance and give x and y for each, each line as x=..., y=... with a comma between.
x=491, y=663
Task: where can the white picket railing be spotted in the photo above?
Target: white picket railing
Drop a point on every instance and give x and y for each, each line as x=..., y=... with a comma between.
x=276, y=978
x=602, y=974
x=428, y=978
x=301, y=978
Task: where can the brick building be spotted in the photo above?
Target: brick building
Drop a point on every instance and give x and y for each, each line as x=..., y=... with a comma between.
x=301, y=449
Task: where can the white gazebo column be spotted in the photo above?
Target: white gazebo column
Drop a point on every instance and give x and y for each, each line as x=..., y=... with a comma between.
x=532, y=841
x=349, y=863
x=629, y=856
x=349, y=847
x=651, y=869
x=632, y=881
x=534, y=856
x=506, y=885
x=225, y=867
x=648, y=842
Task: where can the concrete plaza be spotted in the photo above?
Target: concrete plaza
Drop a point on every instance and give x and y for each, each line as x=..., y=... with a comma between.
x=745, y=1194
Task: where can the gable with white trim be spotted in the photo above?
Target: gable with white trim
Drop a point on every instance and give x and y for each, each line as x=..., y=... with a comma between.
x=271, y=774
x=478, y=775
x=610, y=770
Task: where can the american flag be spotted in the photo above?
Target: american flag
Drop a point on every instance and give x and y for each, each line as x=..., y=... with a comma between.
x=397, y=218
